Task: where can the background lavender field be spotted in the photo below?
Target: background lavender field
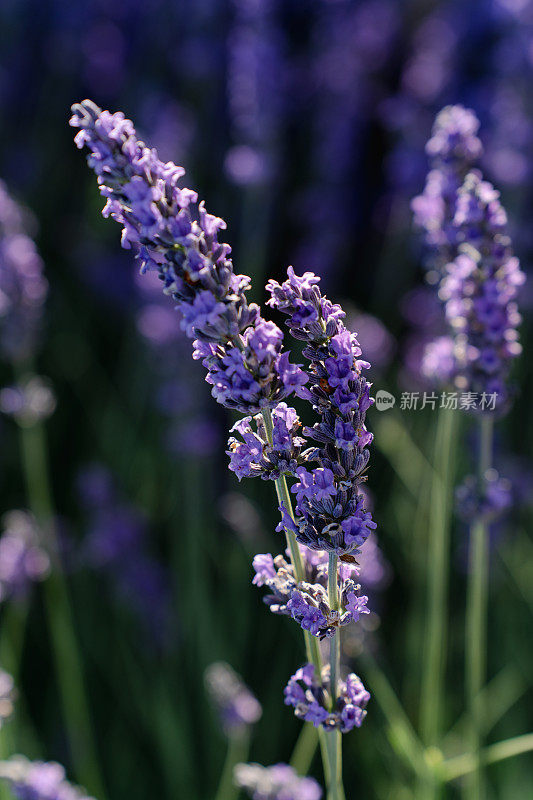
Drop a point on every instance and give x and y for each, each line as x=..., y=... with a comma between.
x=303, y=124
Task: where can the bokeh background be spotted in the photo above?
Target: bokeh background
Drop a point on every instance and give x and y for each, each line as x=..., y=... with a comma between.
x=303, y=124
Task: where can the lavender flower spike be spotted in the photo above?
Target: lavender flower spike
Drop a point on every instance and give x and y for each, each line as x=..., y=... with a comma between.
x=479, y=292
x=278, y=782
x=330, y=510
x=38, y=780
x=237, y=706
x=174, y=235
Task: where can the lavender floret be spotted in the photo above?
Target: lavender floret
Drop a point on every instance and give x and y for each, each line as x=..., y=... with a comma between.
x=310, y=700
x=307, y=601
x=278, y=782
x=252, y=455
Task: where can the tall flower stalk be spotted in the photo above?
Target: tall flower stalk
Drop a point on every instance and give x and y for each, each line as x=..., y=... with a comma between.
x=249, y=371
x=479, y=278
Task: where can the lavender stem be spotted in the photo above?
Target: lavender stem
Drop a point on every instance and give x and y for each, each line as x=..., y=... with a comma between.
x=282, y=491
x=238, y=748
x=476, y=618
x=437, y=582
x=63, y=636
x=311, y=644
x=334, y=661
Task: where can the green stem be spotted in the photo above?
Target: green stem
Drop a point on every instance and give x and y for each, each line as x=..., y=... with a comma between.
x=238, y=747
x=334, y=737
x=462, y=765
x=476, y=620
x=304, y=749
x=311, y=644
x=63, y=638
x=437, y=586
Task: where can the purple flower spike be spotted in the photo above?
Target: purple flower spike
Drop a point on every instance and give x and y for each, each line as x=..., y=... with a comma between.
x=330, y=513
x=172, y=234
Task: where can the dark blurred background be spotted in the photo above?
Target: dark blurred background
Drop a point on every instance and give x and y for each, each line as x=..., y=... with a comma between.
x=303, y=125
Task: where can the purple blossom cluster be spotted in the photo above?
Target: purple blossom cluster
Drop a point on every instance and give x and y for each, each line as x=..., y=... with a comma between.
x=278, y=782
x=479, y=291
x=236, y=705
x=253, y=455
x=487, y=499
x=38, y=780
x=478, y=275
x=306, y=601
x=453, y=149
x=174, y=235
x=22, y=557
x=23, y=287
x=330, y=510
x=310, y=699
x=7, y=696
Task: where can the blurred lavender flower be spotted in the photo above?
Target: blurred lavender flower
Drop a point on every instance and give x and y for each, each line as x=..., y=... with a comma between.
x=22, y=557
x=7, y=696
x=310, y=699
x=243, y=517
x=38, y=780
x=278, y=782
x=30, y=401
x=375, y=571
x=488, y=499
x=479, y=291
x=376, y=341
x=175, y=236
x=237, y=706
x=116, y=542
x=255, y=89
x=453, y=150
x=23, y=287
